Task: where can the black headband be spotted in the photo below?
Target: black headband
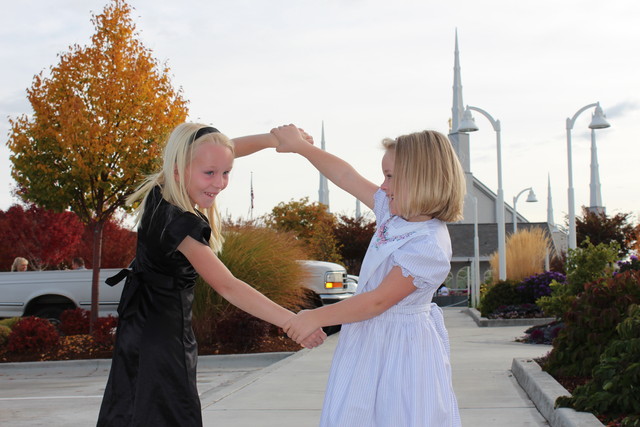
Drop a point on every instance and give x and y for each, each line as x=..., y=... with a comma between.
x=204, y=131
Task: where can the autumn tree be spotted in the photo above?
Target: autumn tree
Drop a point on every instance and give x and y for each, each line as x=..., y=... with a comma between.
x=97, y=123
x=312, y=223
x=44, y=237
x=353, y=235
x=601, y=228
x=118, y=245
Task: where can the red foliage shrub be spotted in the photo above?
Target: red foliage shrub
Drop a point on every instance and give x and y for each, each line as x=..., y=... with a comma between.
x=104, y=330
x=74, y=322
x=32, y=334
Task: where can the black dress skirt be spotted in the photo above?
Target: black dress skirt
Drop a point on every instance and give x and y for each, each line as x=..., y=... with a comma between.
x=153, y=372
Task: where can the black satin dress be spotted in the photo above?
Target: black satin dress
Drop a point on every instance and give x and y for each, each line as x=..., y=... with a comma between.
x=153, y=372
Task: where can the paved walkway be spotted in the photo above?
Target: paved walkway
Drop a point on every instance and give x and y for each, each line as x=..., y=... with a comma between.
x=266, y=390
x=290, y=392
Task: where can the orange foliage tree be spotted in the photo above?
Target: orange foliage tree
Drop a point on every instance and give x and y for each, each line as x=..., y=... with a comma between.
x=97, y=123
x=312, y=223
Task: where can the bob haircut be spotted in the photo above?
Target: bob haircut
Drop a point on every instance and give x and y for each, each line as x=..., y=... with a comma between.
x=178, y=153
x=428, y=177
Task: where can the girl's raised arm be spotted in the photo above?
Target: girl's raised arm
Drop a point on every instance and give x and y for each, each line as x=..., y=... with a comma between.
x=245, y=145
x=334, y=168
x=250, y=144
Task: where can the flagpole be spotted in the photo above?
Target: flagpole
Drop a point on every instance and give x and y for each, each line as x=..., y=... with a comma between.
x=251, y=209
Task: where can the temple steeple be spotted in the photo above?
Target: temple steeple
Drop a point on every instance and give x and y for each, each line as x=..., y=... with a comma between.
x=550, y=220
x=594, y=186
x=323, y=191
x=458, y=106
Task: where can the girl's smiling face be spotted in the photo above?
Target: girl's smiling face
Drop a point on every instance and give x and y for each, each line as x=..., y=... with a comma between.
x=388, y=160
x=208, y=173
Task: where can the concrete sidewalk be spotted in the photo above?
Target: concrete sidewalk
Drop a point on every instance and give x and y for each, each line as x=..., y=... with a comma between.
x=290, y=392
x=278, y=389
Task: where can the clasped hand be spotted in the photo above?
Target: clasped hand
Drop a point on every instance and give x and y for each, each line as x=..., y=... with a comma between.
x=289, y=136
x=302, y=329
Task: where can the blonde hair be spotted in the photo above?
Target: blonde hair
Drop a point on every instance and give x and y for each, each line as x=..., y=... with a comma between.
x=427, y=178
x=17, y=262
x=178, y=153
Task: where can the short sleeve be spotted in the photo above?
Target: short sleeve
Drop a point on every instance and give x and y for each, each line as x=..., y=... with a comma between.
x=183, y=225
x=423, y=259
x=381, y=206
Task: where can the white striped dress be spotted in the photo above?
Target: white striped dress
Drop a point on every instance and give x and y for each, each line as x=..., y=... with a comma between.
x=393, y=369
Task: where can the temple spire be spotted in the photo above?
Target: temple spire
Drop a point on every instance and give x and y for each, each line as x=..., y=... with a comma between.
x=550, y=220
x=594, y=187
x=323, y=191
x=458, y=106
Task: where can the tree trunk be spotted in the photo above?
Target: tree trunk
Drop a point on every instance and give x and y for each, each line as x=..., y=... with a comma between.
x=95, y=282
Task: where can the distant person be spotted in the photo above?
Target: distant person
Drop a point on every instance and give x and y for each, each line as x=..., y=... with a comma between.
x=152, y=381
x=391, y=365
x=20, y=264
x=443, y=291
x=78, y=264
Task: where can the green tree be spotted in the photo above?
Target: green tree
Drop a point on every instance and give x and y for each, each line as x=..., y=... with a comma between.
x=312, y=223
x=601, y=228
x=97, y=123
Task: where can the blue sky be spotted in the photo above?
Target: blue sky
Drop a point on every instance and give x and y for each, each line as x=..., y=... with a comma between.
x=375, y=69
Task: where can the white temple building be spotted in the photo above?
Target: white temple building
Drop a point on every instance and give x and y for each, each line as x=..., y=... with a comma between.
x=462, y=233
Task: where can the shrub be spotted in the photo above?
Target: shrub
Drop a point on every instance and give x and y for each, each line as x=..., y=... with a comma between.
x=4, y=335
x=240, y=331
x=74, y=322
x=32, y=334
x=536, y=286
x=542, y=334
x=502, y=293
x=526, y=252
x=632, y=264
x=590, y=324
x=583, y=265
x=10, y=322
x=516, y=311
x=613, y=389
x=104, y=331
x=261, y=257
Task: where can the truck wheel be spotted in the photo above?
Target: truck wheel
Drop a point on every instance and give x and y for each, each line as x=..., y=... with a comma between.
x=51, y=313
x=330, y=330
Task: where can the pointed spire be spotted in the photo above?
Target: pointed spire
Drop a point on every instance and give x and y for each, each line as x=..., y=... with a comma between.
x=323, y=191
x=594, y=187
x=458, y=106
x=550, y=220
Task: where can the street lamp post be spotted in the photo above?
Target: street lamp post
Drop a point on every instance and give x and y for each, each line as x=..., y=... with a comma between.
x=468, y=125
x=531, y=198
x=598, y=121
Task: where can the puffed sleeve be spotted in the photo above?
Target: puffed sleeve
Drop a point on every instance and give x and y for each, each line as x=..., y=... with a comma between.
x=380, y=206
x=423, y=259
x=183, y=225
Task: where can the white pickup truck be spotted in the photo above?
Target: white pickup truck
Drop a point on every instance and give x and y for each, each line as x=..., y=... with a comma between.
x=48, y=293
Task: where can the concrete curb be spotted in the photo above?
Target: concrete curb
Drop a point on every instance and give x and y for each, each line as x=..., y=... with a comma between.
x=86, y=367
x=543, y=390
x=484, y=322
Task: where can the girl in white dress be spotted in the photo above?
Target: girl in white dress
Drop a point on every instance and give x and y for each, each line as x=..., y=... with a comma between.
x=391, y=366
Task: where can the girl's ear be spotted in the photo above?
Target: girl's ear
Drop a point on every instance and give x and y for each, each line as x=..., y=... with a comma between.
x=176, y=175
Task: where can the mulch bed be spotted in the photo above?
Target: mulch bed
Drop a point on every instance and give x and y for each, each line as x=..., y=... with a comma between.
x=77, y=347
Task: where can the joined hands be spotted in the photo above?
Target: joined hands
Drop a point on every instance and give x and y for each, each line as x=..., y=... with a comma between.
x=303, y=329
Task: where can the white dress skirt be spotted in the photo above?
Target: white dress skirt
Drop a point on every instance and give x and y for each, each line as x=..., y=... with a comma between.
x=393, y=370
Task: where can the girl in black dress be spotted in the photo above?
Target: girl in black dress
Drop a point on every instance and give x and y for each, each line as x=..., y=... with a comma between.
x=153, y=373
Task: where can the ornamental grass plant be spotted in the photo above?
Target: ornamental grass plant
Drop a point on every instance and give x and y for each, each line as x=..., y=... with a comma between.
x=266, y=260
x=526, y=252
